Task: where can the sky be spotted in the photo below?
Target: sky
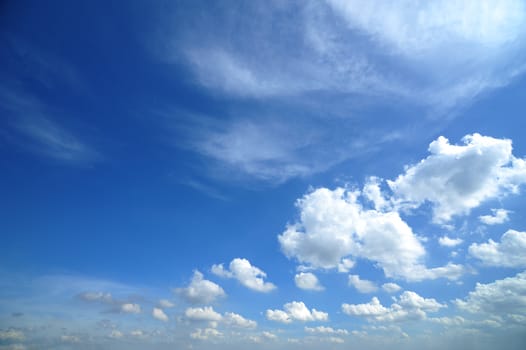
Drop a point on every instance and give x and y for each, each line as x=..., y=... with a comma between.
x=266, y=174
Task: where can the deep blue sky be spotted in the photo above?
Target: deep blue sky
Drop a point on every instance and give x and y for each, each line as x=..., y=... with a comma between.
x=280, y=174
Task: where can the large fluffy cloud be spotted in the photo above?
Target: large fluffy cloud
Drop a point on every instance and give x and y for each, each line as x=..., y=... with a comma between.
x=409, y=306
x=506, y=297
x=458, y=178
x=509, y=252
x=334, y=226
x=200, y=290
x=296, y=311
x=250, y=276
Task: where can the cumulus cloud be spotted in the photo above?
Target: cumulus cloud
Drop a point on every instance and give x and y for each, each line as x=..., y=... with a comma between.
x=308, y=281
x=296, y=311
x=250, y=276
x=206, y=334
x=362, y=286
x=159, y=314
x=505, y=298
x=11, y=335
x=130, y=308
x=200, y=290
x=325, y=330
x=458, y=178
x=164, y=303
x=334, y=226
x=206, y=313
x=498, y=216
x=235, y=320
x=409, y=306
x=449, y=242
x=116, y=334
x=391, y=287
x=509, y=252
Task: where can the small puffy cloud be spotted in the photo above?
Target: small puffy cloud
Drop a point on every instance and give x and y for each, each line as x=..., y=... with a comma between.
x=236, y=320
x=458, y=178
x=137, y=333
x=159, y=314
x=66, y=338
x=498, y=216
x=308, y=281
x=445, y=241
x=116, y=334
x=409, y=306
x=362, y=286
x=11, y=335
x=506, y=298
x=250, y=276
x=200, y=290
x=509, y=252
x=296, y=311
x=205, y=334
x=334, y=227
x=130, y=308
x=325, y=330
x=164, y=303
x=206, y=313
x=391, y=287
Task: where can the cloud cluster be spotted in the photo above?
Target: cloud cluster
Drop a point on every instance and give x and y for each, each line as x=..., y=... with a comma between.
x=325, y=330
x=509, y=252
x=200, y=290
x=334, y=226
x=296, y=311
x=250, y=276
x=208, y=314
x=409, y=306
x=458, y=178
x=505, y=297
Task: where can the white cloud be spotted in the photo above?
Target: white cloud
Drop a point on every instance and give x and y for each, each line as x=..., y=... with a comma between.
x=449, y=242
x=510, y=252
x=130, y=308
x=498, y=216
x=409, y=306
x=205, y=334
x=362, y=286
x=458, y=178
x=159, y=314
x=164, y=303
x=296, y=311
x=248, y=275
x=334, y=226
x=11, y=335
x=391, y=287
x=505, y=298
x=200, y=290
x=233, y=319
x=116, y=334
x=325, y=330
x=308, y=281
x=67, y=338
x=206, y=313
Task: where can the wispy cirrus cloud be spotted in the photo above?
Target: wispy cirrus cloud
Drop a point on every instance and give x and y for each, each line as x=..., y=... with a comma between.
x=344, y=53
x=31, y=127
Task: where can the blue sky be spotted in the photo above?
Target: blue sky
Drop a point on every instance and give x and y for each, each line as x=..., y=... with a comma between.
x=279, y=175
